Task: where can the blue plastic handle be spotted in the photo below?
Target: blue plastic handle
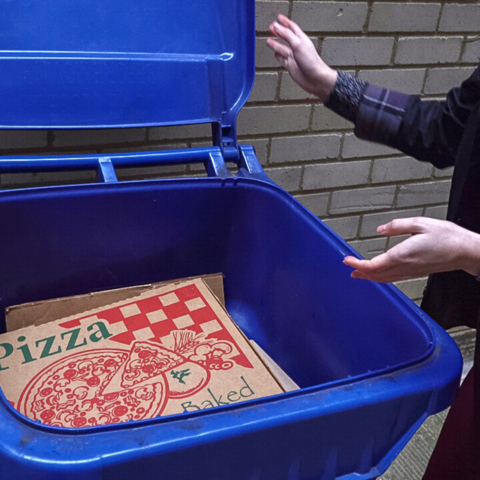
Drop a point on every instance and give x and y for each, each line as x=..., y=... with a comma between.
x=212, y=157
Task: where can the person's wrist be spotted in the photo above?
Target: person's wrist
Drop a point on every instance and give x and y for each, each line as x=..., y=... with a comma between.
x=326, y=84
x=471, y=259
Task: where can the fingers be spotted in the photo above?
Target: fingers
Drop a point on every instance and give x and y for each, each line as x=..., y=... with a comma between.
x=375, y=265
x=290, y=24
x=285, y=33
x=383, y=272
x=403, y=226
x=388, y=276
x=288, y=30
x=279, y=48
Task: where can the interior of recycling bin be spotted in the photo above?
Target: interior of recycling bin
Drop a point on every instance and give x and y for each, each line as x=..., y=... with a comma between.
x=285, y=283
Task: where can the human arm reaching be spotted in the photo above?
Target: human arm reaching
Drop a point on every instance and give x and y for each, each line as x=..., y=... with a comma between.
x=434, y=246
x=426, y=130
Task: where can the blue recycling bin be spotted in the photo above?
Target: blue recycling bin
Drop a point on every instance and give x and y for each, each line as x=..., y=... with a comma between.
x=371, y=365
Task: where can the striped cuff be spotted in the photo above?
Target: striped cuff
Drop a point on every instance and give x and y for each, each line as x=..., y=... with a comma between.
x=380, y=115
x=346, y=96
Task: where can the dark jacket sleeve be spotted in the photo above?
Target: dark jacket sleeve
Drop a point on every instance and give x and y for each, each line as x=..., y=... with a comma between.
x=427, y=130
x=432, y=130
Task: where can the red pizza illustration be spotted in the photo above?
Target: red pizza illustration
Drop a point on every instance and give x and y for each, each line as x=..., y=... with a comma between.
x=149, y=361
x=69, y=393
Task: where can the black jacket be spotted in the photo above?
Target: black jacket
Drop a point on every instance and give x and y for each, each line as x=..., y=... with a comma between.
x=448, y=134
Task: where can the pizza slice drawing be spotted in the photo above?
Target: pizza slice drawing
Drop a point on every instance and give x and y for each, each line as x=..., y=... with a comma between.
x=148, y=361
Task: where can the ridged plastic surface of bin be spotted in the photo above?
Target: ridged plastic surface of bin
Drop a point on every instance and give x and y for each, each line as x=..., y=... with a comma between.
x=371, y=365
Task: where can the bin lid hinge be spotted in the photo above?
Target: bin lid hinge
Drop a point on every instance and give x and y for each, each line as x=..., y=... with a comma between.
x=225, y=137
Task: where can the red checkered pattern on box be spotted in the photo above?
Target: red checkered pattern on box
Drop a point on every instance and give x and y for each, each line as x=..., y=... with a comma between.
x=153, y=318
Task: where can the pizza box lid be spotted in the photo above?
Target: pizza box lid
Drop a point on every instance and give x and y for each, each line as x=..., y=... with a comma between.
x=128, y=63
x=169, y=350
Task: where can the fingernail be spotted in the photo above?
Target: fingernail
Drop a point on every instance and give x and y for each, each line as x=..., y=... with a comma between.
x=381, y=229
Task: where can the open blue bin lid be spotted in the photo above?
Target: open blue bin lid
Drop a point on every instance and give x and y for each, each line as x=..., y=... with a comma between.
x=125, y=63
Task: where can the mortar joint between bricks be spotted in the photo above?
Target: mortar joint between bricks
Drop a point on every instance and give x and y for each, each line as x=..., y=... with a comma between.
x=359, y=226
x=395, y=197
x=437, y=26
x=320, y=40
x=269, y=150
x=424, y=83
x=394, y=51
x=367, y=18
x=281, y=73
x=270, y=103
x=342, y=142
x=302, y=175
x=370, y=172
x=310, y=118
x=329, y=204
x=463, y=48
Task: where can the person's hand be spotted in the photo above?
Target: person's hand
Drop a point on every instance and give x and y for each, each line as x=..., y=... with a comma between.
x=434, y=246
x=298, y=55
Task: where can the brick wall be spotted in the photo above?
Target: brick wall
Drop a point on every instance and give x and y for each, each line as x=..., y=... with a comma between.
x=354, y=186
x=412, y=46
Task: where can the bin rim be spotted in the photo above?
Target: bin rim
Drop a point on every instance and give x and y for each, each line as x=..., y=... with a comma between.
x=425, y=326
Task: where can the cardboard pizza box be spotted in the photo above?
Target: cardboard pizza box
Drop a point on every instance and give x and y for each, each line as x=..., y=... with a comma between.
x=286, y=382
x=168, y=351
x=44, y=311
x=38, y=313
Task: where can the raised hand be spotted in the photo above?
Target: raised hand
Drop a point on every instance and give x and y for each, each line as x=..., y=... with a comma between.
x=296, y=52
x=434, y=246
